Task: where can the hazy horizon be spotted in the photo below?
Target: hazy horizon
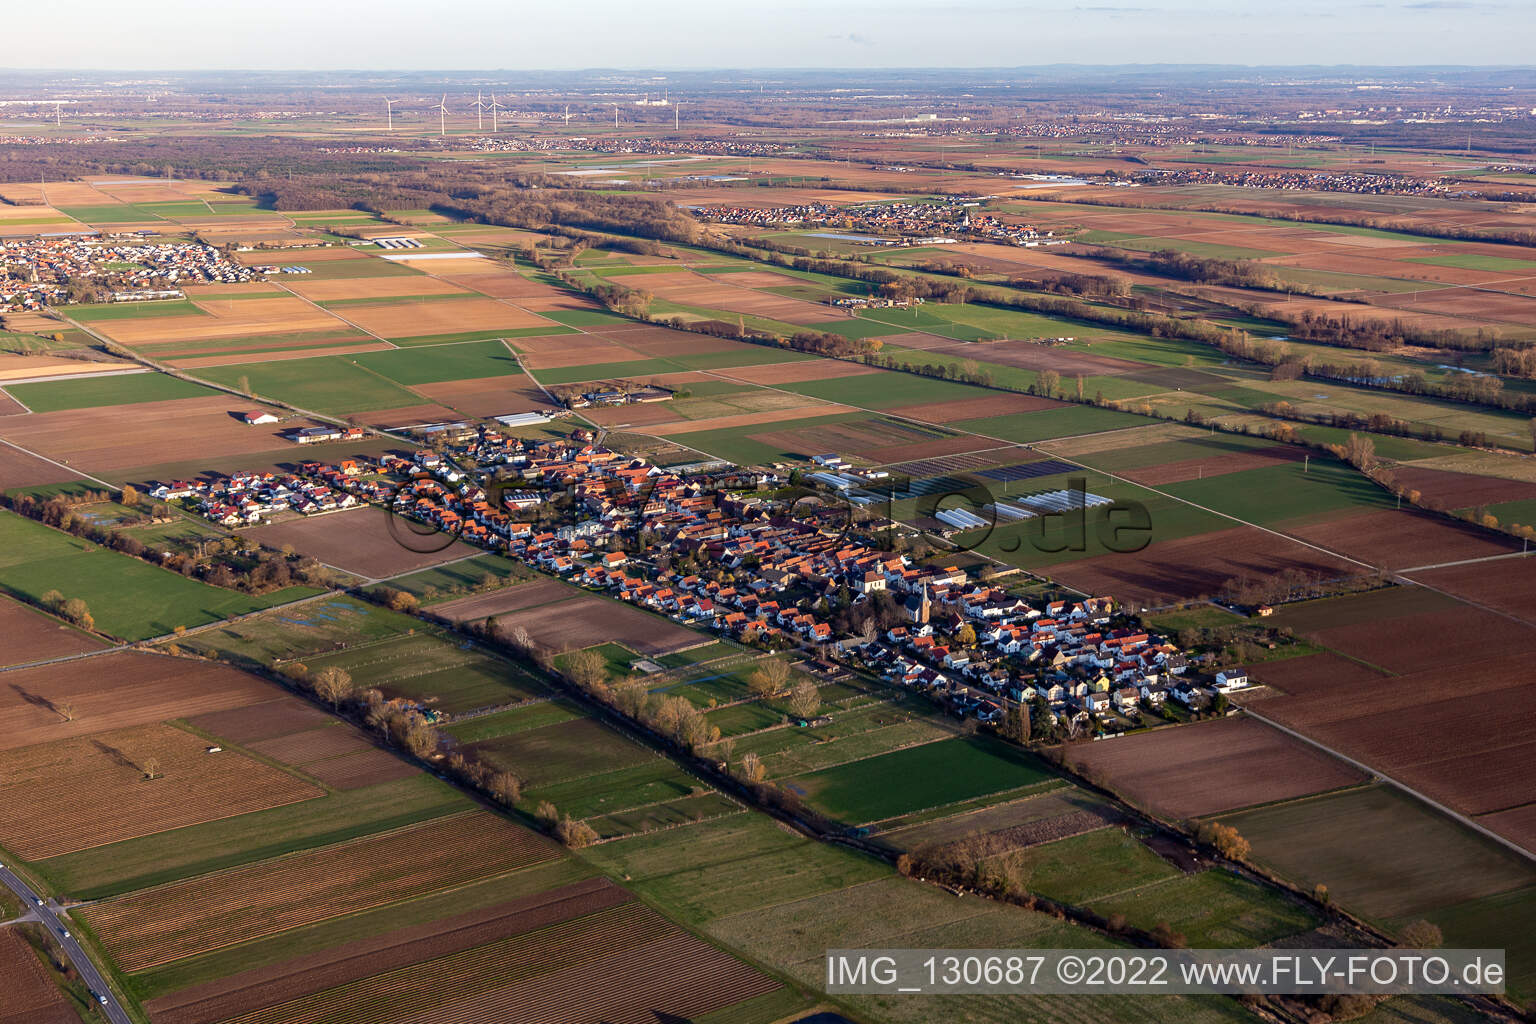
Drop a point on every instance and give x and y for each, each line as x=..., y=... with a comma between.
x=287, y=35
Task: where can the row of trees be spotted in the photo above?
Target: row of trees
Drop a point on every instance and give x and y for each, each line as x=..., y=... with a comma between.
x=231, y=562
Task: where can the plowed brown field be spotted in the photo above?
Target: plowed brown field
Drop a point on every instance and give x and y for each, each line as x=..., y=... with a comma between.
x=33, y=636
x=105, y=439
x=353, y=961
x=115, y=691
x=30, y=995
x=167, y=923
x=1193, y=566
x=360, y=541
x=81, y=793
x=1194, y=770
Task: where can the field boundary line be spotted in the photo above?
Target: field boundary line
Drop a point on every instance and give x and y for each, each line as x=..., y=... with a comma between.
x=1456, y=816
x=24, y=407
x=1179, y=875
x=1288, y=801
x=62, y=465
x=338, y=316
x=293, y=854
x=874, y=823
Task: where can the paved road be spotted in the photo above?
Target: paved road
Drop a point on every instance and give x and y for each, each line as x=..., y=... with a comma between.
x=48, y=912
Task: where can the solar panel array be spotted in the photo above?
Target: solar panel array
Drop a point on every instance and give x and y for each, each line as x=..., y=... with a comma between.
x=1047, y=502
x=1027, y=470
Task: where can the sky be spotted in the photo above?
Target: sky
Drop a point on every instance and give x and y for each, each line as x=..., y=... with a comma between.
x=518, y=34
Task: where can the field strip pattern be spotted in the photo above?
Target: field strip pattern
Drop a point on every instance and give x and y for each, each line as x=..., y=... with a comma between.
x=291, y=980
x=182, y=919
x=620, y=945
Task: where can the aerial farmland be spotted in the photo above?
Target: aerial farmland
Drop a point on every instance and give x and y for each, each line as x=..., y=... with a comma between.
x=525, y=546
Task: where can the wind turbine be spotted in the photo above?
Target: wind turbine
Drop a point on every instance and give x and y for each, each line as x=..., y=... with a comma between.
x=58, y=119
x=495, y=109
x=389, y=112
x=480, y=111
x=677, y=116
x=442, y=115
x=615, y=115
x=567, y=115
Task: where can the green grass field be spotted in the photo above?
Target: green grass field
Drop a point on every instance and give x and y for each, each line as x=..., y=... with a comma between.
x=929, y=775
x=128, y=598
x=1088, y=866
x=96, y=392
x=1286, y=491
x=1472, y=261
x=327, y=384
x=741, y=862
x=652, y=781
x=1211, y=909
x=435, y=364
x=888, y=390
x=561, y=751
x=1195, y=446
x=588, y=318
x=109, y=311
x=441, y=672
x=1071, y=421
x=1144, y=243
x=108, y=213
x=445, y=581
x=512, y=720
x=1500, y=922
x=293, y=633
x=463, y=336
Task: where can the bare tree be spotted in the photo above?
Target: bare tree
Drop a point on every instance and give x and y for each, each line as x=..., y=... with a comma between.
x=150, y=766
x=65, y=710
x=804, y=699
x=752, y=768
x=420, y=739
x=1421, y=935
x=587, y=669
x=333, y=685
x=770, y=677
x=506, y=788
x=575, y=834
x=518, y=637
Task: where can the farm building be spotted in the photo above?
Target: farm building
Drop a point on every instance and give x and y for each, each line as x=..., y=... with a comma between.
x=257, y=416
x=315, y=435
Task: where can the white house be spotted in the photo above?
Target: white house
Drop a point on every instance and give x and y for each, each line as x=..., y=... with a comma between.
x=1232, y=679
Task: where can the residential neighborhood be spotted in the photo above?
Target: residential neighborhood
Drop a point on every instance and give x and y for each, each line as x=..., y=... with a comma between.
x=50, y=270
x=716, y=550
x=916, y=223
